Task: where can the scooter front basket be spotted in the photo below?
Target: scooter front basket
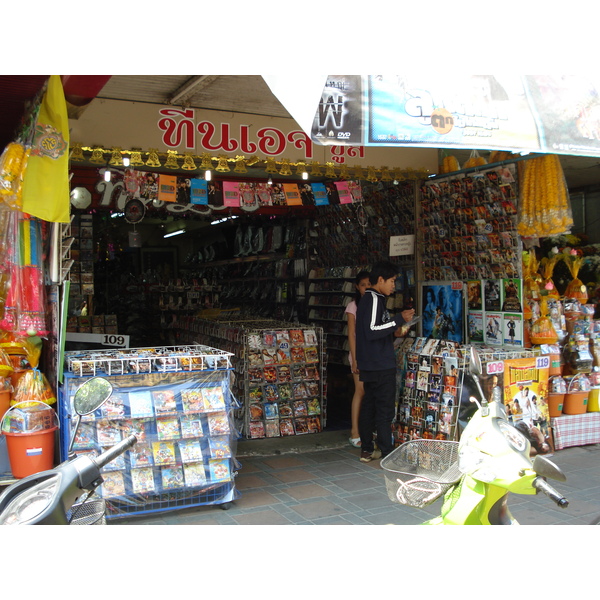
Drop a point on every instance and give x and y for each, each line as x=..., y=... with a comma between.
x=418, y=472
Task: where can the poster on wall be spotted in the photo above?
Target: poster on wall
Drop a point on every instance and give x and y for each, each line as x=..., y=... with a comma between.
x=443, y=310
x=493, y=328
x=513, y=329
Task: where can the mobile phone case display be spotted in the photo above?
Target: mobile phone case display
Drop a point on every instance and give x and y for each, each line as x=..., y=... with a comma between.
x=284, y=383
x=178, y=404
x=430, y=376
x=469, y=226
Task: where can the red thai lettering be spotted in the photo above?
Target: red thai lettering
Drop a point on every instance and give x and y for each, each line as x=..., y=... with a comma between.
x=271, y=141
x=301, y=141
x=176, y=132
x=246, y=145
x=354, y=151
x=207, y=132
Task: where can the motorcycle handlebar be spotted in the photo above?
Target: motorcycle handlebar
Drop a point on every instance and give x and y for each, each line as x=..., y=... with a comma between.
x=115, y=451
x=543, y=486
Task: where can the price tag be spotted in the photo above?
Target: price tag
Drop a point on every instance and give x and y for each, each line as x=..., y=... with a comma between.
x=542, y=362
x=495, y=367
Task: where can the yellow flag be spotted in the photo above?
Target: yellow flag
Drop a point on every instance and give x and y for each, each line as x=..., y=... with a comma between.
x=46, y=192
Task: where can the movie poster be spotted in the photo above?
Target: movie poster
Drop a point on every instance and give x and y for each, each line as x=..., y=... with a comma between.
x=526, y=391
x=443, y=310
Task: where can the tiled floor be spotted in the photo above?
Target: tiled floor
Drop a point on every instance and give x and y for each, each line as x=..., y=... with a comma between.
x=331, y=486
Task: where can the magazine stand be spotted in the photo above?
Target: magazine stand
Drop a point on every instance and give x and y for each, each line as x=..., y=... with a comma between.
x=178, y=402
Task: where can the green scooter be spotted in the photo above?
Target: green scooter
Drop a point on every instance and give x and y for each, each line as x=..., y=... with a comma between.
x=476, y=474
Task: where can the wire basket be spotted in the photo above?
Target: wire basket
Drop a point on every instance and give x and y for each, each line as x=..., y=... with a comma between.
x=418, y=472
x=89, y=512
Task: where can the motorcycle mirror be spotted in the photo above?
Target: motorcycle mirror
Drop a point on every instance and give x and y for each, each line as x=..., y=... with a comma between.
x=92, y=395
x=88, y=398
x=546, y=468
x=475, y=367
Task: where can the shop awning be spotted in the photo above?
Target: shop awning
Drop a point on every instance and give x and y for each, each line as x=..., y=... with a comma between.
x=557, y=114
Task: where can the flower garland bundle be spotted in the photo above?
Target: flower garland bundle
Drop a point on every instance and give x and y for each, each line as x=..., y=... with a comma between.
x=542, y=329
x=544, y=208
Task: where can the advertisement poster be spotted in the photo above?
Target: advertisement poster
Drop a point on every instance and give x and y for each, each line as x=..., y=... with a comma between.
x=292, y=194
x=513, y=329
x=167, y=188
x=475, y=323
x=443, y=310
x=526, y=391
x=198, y=191
x=320, y=194
x=344, y=192
x=339, y=116
x=491, y=294
x=512, y=294
x=493, y=328
x=231, y=193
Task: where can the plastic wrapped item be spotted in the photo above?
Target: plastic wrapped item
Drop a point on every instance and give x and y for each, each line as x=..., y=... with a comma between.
x=29, y=417
x=449, y=164
x=576, y=288
x=547, y=266
x=13, y=163
x=557, y=385
x=33, y=387
x=577, y=354
x=542, y=329
x=475, y=160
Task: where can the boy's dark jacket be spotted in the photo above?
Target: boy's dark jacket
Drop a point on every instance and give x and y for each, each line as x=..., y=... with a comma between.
x=375, y=333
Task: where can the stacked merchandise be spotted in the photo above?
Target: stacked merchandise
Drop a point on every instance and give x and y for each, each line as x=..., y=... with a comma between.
x=177, y=401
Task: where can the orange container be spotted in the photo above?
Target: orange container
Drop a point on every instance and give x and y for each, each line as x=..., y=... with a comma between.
x=30, y=453
x=4, y=402
x=555, y=405
x=575, y=403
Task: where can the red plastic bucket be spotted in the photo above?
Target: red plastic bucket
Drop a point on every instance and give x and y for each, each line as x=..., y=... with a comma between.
x=30, y=453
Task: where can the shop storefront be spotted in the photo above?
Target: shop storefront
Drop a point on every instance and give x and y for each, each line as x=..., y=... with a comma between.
x=193, y=234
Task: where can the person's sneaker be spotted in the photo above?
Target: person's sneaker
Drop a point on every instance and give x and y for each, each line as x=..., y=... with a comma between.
x=369, y=456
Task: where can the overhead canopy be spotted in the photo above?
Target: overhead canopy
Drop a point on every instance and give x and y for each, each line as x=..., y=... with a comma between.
x=557, y=114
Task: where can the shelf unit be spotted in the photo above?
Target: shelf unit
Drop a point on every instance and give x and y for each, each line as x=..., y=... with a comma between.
x=178, y=403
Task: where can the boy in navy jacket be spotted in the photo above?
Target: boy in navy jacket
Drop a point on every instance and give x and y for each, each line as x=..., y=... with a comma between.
x=377, y=361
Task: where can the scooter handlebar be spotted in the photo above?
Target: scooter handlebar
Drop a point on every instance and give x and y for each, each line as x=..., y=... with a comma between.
x=116, y=450
x=542, y=485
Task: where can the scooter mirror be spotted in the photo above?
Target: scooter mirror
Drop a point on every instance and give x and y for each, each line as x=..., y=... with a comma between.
x=92, y=395
x=475, y=363
x=546, y=468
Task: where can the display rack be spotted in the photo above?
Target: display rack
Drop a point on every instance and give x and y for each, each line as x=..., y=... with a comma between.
x=261, y=344
x=178, y=402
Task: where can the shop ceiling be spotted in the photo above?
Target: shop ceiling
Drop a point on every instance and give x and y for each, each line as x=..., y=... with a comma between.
x=230, y=93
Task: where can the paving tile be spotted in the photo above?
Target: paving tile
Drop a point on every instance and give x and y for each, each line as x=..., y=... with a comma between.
x=265, y=517
x=284, y=462
x=311, y=490
x=244, y=482
x=356, y=483
x=252, y=499
x=294, y=475
x=318, y=509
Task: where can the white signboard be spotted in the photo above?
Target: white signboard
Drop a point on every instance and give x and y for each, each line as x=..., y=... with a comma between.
x=401, y=245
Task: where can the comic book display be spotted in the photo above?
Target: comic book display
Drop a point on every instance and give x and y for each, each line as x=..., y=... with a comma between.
x=178, y=403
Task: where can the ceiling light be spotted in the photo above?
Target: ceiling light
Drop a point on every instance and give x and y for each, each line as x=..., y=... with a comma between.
x=304, y=175
x=178, y=232
x=208, y=175
x=126, y=161
x=107, y=175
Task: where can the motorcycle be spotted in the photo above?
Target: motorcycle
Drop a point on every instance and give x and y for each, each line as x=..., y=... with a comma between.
x=63, y=495
x=475, y=475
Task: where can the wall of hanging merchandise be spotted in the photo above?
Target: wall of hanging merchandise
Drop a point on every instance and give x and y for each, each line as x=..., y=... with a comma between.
x=178, y=403
x=281, y=371
x=468, y=226
x=431, y=378
x=359, y=233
